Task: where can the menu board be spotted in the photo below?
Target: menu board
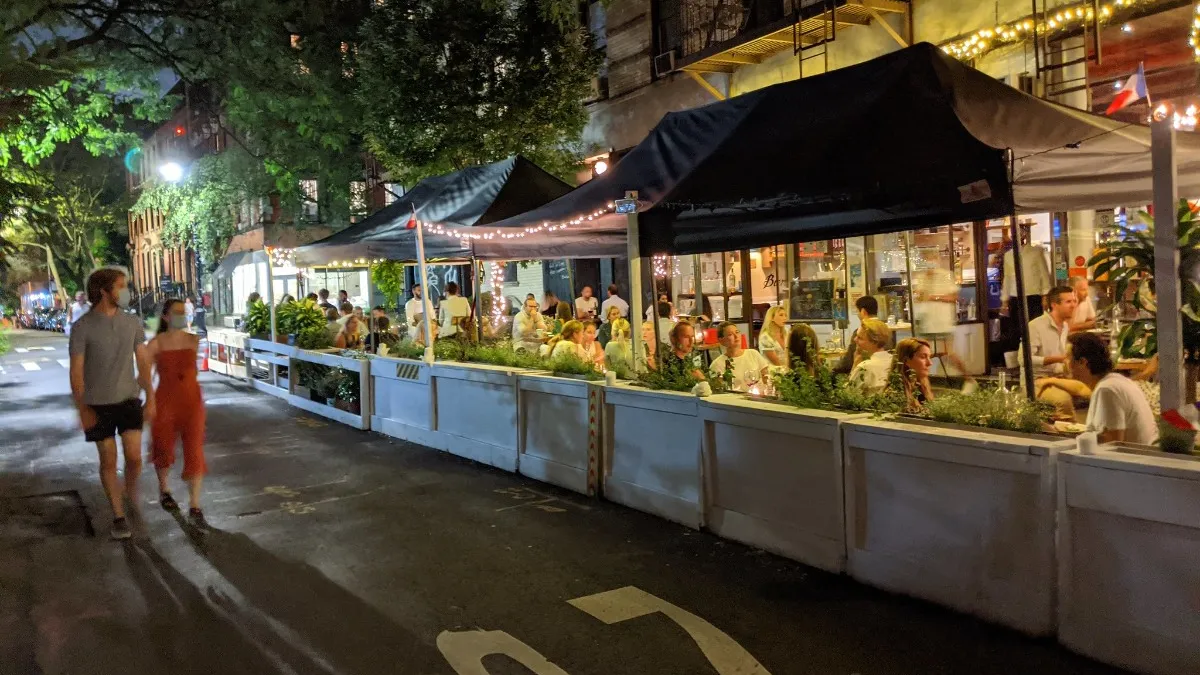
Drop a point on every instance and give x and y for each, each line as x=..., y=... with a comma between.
x=811, y=300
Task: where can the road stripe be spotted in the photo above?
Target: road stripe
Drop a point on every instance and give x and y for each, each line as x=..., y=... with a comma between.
x=30, y=365
x=22, y=350
x=65, y=363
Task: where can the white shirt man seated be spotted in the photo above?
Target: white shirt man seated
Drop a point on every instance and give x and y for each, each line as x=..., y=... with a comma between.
x=526, y=326
x=1048, y=333
x=1118, y=410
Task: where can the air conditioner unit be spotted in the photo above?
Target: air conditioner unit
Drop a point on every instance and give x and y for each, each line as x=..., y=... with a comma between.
x=664, y=64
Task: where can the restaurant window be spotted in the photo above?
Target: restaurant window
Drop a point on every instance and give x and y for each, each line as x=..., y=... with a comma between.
x=358, y=198
x=392, y=192
x=720, y=284
x=943, y=265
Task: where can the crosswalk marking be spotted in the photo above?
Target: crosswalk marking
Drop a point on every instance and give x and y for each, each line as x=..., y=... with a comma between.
x=30, y=365
x=65, y=363
x=26, y=350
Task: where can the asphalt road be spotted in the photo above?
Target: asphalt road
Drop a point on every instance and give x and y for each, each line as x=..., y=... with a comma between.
x=336, y=551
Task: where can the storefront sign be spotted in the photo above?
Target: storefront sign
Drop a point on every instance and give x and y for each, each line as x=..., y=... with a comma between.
x=626, y=206
x=1080, y=261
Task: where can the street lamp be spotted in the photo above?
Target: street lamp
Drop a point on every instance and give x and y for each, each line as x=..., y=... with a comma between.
x=172, y=172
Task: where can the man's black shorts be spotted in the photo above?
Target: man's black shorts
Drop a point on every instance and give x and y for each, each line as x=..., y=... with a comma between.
x=115, y=419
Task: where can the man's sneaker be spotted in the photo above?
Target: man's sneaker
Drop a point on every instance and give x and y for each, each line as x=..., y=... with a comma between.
x=168, y=502
x=196, y=517
x=120, y=529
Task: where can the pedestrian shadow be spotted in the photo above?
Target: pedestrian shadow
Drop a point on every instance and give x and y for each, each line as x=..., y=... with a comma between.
x=348, y=634
x=193, y=632
x=41, y=404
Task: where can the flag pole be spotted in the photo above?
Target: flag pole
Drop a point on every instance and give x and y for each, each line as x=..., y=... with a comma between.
x=426, y=306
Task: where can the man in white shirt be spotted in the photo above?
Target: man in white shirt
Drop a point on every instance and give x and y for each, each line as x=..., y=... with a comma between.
x=586, y=305
x=748, y=364
x=453, y=310
x=1048, y=332
x=1085, y=313
x=76, y=310
x=1118, y=410
x=413, y=307
x=614, y=300
x=526, y=326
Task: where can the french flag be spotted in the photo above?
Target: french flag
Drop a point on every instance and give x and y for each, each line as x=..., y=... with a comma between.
x=1134, y=90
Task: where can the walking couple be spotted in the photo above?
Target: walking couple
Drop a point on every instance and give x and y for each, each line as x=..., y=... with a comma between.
x=104, y=345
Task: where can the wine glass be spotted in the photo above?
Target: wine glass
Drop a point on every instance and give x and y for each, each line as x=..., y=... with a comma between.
x=751, y=378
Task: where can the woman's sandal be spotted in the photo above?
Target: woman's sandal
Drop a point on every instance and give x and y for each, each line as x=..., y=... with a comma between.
x=168, y=502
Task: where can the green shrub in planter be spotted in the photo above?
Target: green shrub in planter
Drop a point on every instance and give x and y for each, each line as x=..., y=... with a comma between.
x=406, y=349
x=258, y=320
x=823, y=390
x=991, y=408
x=313, y=338
x=672, y=375
x=572, y=365
x=294, y=318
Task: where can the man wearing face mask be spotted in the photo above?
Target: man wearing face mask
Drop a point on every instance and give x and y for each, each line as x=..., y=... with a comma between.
x=104, y=345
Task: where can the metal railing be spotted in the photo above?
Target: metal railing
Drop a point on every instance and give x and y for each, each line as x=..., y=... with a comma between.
x=692, y=26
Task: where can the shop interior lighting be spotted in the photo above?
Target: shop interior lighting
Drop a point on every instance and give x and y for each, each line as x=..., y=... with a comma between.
x=1063, y=20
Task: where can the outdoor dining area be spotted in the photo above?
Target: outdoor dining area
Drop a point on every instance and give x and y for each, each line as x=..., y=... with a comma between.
x=844, y=340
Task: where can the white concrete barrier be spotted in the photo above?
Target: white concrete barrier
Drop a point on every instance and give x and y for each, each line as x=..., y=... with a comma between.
x=269, y=356
x=960, y=517
x=560, y=430
x=774, y=479
x=1129, y=559
x=361, y=369
x=651, y=454
x=403, y=400
x=476, y=412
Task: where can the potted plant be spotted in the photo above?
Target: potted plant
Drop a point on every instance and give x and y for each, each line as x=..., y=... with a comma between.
x=346, y=391
x=258, y=320
x=1130, y=259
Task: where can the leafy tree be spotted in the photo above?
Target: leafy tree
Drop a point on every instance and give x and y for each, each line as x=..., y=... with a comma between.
x=71, y=206
x=444, y=84
x=388, y=277
x=202, y=210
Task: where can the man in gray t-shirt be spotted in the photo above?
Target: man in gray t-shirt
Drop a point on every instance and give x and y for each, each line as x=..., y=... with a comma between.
x=104, y=345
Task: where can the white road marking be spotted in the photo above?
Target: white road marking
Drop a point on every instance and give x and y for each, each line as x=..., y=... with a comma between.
x=30, y=365
x=26, y=350
x=726, y=655
x=464, y=651
x=65, y=363
x=22, y=350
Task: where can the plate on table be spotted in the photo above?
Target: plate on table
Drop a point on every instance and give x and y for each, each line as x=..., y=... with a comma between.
x=1069, y=427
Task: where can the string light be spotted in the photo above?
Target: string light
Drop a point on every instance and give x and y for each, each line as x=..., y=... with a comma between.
x=1063, y=20
x=499, y=302
x=466, y=234
x=660, y=266
x=1194, y=34
x=281, y=257
x=473, y=233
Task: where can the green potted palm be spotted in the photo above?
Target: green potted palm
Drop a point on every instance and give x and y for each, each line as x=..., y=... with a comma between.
x=1129, y=260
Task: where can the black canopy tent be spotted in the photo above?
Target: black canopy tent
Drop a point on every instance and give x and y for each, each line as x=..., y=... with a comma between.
x=911, y=139
x=474, y=196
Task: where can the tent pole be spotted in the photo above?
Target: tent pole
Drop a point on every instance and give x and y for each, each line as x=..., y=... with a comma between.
x=635, y=285
x=426, y=305
x=1022, y=308
x=698, y=291
x=1174, y=392
x=477, y=270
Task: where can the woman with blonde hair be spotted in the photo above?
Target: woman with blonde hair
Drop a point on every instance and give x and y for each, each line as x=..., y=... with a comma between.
x=913, y=361
x=772, y=341
x=568, y=341
x=874, y=361
x=618, y=354
x=606, y=331
x=802, y=348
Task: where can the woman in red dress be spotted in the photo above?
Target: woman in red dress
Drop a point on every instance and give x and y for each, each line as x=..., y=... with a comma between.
x=181, y=410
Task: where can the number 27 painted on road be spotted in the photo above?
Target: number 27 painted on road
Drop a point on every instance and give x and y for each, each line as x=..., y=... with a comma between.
x=465, y=650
